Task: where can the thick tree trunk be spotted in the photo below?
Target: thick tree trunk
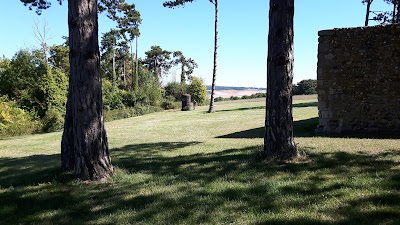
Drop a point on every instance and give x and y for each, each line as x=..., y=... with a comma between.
x=84, y=143
x=278, y=141
x=67, y=142
x=215, y=57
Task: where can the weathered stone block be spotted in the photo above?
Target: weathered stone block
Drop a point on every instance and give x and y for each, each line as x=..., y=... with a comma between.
x=323, y=47
x=326, y=33
x=329, y=56
x=359, y=79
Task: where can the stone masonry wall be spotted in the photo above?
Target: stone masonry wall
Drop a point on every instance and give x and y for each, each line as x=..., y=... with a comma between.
x=359, y=80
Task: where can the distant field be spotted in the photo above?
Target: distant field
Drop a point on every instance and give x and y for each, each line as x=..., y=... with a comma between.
x=239, y=93
x=193, y=167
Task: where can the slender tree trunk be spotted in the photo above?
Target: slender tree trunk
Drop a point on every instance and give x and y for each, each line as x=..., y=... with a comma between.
x=137, y=67
x=278, y=141
x=157, y=72
x=215, y=57
x=398, y=12
x=41, y=37
x=133, y=69
x=368, y=11
x=183, y=78
x=125, y=72
x=113, y=72
x=84, y=144
x=394, y=12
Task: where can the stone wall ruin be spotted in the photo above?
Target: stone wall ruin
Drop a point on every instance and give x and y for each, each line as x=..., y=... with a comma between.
x=359, y=80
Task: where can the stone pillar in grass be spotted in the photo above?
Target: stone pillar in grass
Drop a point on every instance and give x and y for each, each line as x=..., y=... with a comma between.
x=186, y=102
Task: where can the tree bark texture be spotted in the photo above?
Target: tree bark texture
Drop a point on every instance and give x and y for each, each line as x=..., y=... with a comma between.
x=278, y=141
x=84, y=146
x=215, y=57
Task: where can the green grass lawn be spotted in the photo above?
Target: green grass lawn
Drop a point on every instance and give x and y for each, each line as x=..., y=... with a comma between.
x=192, y=167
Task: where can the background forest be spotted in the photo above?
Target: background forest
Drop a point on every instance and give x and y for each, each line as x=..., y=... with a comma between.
x=34, y=82
x=34, y=85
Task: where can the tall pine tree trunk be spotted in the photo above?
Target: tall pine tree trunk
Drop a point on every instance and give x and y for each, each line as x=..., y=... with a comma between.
x=68, y=162
x=183, y=77
x=84, y=146
x=215, y=57
x=137, y=66
x=278, y=141
x=114, y=74
x=124, y=71
x=133, y=70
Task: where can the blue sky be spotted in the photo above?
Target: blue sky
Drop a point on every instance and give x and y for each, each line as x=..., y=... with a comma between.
x=243, y=31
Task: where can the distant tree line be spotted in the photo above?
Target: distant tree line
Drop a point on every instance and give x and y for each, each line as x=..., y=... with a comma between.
x=34, y=83
x=33, y=92
x=305, y=87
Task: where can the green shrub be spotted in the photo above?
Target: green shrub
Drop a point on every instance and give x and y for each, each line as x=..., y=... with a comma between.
x=128, y=98
x=53, y=91
x=150, y=94
x=219, y=99
x=305, y=87
x=112, y=97
x=176, y=90
x=170, y=103
x=14, y=120
x=138, y=110
x=258, y=95
x=53, y=120
x=198, y=90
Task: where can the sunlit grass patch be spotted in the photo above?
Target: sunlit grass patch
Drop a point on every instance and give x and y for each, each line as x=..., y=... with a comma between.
x=197, y=168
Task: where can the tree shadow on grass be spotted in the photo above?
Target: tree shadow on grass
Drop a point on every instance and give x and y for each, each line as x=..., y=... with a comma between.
x=302, y=128
x=31, y=170
x=227, y=186
x=38, y=169
x=231, y=181
x=306, y=128
x=305, y=104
